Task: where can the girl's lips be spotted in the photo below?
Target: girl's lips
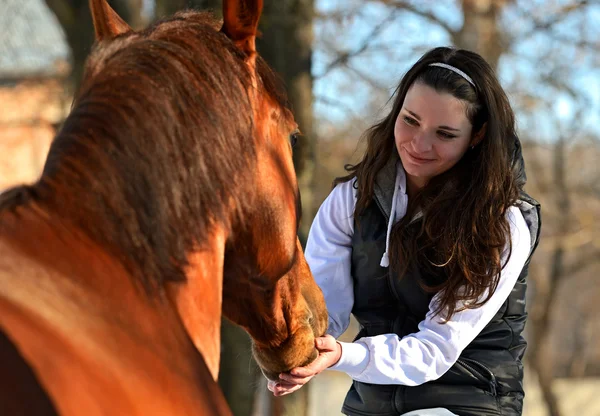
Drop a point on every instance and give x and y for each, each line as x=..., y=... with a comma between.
x=417, y=159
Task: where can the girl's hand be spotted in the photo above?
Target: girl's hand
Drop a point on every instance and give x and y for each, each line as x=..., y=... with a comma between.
x=330, y=352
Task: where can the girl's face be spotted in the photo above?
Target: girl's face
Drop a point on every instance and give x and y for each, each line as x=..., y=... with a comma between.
x=432, y=133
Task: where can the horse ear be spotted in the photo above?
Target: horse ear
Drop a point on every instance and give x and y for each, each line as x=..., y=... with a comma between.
x=240, y=23
x=107, y=22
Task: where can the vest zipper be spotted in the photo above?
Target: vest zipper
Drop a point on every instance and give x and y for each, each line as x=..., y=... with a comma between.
x=492, y=378
x=392, y=290
x=385, y=214
x=417, y=216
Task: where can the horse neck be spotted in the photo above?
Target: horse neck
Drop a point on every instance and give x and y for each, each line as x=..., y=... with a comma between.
x=83, y=324
x=199, y=299
x=58, y=276
x=192, y=307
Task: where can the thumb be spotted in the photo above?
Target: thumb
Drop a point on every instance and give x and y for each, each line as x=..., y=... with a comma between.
x=325, y=343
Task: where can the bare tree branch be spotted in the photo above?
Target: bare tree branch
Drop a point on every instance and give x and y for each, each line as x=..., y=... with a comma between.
x=338, y=15
x=344, y=57
x=549, y=21
x=334, y=102
x=63, y=11
x=376, y=85
x=405, y=5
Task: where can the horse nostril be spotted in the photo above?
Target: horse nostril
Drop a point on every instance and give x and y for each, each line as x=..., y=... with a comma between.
x=309, y=319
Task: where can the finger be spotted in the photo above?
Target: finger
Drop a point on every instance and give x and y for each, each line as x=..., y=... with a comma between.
x=314, y=368
x=285, y=385
x=282, y=386
x=304, y=372
x=295, y=380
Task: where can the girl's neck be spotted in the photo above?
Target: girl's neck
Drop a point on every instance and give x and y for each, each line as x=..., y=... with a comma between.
x=414, y=185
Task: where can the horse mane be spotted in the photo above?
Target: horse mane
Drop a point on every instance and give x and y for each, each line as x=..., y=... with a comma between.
x=157, y=147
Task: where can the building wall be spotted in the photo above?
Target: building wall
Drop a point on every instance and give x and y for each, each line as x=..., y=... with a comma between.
x=28, y=113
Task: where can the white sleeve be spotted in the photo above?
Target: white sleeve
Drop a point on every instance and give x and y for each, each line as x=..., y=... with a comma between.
x=328, y=253
x=427, y=354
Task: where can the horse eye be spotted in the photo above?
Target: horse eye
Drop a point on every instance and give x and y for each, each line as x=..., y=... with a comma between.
x=294, y=137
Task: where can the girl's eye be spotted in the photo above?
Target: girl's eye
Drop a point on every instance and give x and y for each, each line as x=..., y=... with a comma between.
x=410, y=121
x=446, y=135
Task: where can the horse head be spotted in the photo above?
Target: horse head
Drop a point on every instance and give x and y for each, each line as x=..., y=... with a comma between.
x=230, y=202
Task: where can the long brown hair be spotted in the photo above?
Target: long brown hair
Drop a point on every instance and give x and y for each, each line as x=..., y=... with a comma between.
x=464, y=228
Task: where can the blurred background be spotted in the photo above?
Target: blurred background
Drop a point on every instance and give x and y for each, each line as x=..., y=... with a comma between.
x=341, y=60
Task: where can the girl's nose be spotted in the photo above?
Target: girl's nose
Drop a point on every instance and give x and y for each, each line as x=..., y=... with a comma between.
x=421, y=142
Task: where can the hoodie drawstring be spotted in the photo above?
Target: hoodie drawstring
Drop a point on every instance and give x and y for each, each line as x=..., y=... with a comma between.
x=385, y=260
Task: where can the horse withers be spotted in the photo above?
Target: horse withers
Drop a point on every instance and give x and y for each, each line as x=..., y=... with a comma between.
x=167, y=197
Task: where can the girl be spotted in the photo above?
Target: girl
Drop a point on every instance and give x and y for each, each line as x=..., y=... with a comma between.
x=426, y=242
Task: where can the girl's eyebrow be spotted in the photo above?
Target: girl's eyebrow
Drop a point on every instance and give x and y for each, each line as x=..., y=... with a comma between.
x=415, y=115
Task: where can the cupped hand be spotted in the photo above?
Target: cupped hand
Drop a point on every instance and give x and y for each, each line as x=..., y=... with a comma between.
x=330, y=352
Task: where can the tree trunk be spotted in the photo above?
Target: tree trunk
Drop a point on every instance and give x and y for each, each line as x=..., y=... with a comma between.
x=287, y=27
x=164, y=8
x=238, y=373
x=480, y=31
x=541, y=362
x=540, y=318
x=214, y=5
x=76, y=20
x=137, y=20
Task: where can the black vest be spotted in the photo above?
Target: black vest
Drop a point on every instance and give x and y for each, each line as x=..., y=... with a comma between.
x=487, y=379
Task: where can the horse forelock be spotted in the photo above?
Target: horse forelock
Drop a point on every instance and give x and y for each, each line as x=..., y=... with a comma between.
x=158, y=144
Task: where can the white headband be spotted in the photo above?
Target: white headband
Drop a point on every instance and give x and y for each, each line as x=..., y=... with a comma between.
x=454, y=69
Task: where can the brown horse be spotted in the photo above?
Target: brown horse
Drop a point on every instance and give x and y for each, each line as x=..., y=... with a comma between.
x=168, y=196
